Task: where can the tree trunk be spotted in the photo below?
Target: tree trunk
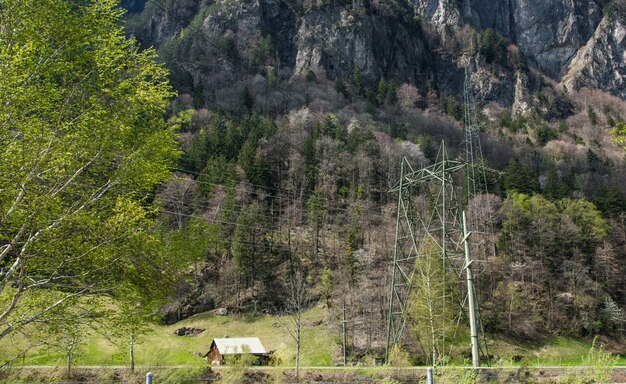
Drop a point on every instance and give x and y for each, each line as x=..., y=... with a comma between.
x=298, y=356
x=298, y=339
x=132, y=352
x=69, y=364
x=510, y=311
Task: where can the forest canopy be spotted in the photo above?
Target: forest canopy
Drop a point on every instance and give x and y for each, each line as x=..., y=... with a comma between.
x=84, y=144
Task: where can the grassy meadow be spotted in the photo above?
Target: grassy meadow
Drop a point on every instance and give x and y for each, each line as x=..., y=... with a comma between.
x=160, y=347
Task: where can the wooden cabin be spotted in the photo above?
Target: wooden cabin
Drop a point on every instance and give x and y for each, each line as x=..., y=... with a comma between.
x=222, y=348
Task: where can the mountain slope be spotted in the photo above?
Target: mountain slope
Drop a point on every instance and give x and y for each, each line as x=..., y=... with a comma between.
x=294, y=117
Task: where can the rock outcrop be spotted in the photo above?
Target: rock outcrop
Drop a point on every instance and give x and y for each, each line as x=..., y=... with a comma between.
x=548, y=32
x=601, y=63
x=568, y=40
x=332, y=42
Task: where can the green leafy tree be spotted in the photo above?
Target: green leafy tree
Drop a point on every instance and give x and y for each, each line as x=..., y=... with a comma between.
x=68, y=336
x=556, y=186
x=432, y=303
x=545, y=134
x=600, y=363
x=216, y=172
x=247, y=158
x=392, y=92
x=381, y=91
x=619, y=133
x=340, y=87
x=530, y=227
x=398, y=357
x=520, y=178
x=398, y=130
x=246, y=99
x=84, y=145
x=316, y=216
x=248, y=243
x=611, y=201
x=493, y=46
x=593, y=116
x=353, y=265
x=598, y=367
x=130, y=320
x=311, y=164
x=183, y=119
x=593, y=228
x=327, y=286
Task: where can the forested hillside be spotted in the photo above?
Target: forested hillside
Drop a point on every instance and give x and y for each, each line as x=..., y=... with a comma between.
x=166, y=158
x=295, y=116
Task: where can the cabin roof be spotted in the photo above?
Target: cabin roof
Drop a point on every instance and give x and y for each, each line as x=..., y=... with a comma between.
x=239, y=345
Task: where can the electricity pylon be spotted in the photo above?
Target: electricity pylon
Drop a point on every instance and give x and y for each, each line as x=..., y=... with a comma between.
x=480, y=218
x=437, y=218
x=475, y=173
x=434, y=218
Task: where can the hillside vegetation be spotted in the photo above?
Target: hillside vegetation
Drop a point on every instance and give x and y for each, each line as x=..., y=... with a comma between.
x=321, y=344
x=287, y=165
x=292, y=119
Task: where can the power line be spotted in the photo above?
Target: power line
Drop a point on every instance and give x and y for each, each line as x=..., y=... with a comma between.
x=287, y=192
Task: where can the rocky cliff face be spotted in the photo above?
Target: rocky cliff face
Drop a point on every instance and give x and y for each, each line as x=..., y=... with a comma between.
x=601, y=63
x=568, y=40
x=548, y=32
x=333, y=42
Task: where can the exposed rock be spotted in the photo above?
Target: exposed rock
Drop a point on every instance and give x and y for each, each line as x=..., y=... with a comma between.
x=188, y=331
x=387, y=41
x=521, y=103
x=220, y=311
x=439, y=12
x=189, y=306
x=332, y=42
x=549, y=32
x=194, y=298
x=158, y=26
x=492, y=87
x=601, y=63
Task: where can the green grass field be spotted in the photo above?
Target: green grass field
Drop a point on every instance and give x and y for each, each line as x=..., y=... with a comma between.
x=161, y=348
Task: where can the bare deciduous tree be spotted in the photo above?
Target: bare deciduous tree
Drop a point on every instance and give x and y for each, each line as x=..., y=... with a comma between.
x=296, y=304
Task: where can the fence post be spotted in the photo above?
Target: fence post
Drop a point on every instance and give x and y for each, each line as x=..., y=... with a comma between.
x=149, y=378
x=429, y=375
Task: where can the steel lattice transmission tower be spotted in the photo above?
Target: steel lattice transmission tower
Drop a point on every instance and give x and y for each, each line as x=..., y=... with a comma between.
x=435, y=216
x=475, y=174
x=428, y=212
x=480, y=215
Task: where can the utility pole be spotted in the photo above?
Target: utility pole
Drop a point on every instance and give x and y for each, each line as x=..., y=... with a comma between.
x=470, y=295
x=343, y=326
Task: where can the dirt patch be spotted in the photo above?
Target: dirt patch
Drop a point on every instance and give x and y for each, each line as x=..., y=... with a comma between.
x=188, y=331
